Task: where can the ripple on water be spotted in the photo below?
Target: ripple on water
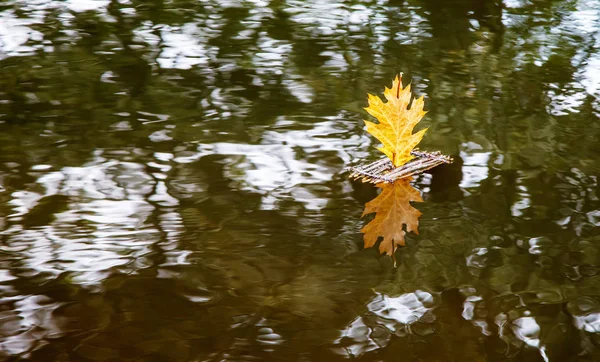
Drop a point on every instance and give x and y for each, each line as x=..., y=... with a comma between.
x=586, y=313
x=85, y=220
x=27, y=324
x=387, y=315
x=287, y=163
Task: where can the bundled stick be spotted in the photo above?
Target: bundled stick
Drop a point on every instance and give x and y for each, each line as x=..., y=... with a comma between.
x=383, y=170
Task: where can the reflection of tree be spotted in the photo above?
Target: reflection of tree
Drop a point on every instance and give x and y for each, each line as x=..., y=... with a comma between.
x=206, y=262
x=451, y=22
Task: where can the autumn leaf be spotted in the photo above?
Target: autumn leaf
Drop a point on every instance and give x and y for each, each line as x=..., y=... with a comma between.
x=397, y=118
x=393, y=210
x=396, y=121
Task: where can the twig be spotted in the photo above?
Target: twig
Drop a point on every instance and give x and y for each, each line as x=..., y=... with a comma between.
x=384, y=171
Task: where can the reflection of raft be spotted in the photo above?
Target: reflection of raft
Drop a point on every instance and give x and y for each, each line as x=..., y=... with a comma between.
x=384, y=171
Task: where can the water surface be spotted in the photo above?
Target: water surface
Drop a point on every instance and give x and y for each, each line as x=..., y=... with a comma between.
x=172, y=183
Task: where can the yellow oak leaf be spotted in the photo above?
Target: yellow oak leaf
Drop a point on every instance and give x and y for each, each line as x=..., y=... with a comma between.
x=393, y=210
x=396, y=121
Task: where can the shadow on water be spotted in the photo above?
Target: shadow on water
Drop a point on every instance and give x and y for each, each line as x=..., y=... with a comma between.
x=172, y=181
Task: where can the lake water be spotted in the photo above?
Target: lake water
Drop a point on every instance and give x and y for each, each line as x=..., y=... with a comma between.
x=173, y=183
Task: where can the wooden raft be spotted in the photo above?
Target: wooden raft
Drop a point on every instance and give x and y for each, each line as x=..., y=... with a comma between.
x=384, y=171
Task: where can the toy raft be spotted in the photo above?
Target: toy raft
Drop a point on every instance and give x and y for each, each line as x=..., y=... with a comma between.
x=383, y=170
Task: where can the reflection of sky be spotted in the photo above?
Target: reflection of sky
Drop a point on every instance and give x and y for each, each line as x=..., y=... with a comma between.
x=84, y=5
x=274, y=169
x=475, y=166
x=109, y=202
x=583, y=22
x=28, y=324
x=14, y=33
x=586, y=314
x=387, y=315
x=404, y=309
x=103, y=228
x=587, y=19
x=181, y=48
x=105, y=224
x=528, y=330
x=523, y=199
x=187, y=46
x=516, y=324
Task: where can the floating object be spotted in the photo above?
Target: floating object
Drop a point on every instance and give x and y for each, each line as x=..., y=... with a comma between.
x=383, y=170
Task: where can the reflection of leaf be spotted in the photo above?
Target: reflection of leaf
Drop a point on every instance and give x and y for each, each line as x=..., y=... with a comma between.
x=393, y=209
x=396, y=122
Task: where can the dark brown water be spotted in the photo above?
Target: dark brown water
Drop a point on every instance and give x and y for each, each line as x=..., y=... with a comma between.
x=172, y=183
